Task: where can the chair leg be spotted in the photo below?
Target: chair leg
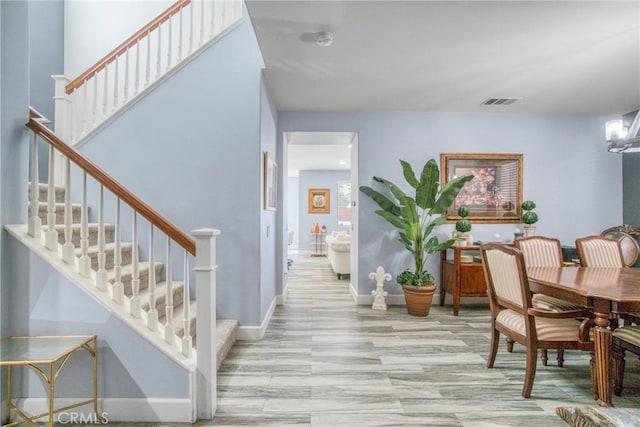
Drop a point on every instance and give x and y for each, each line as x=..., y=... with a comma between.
x=543, y=356
x=532, y=359
x=493, y=350
x=618, y=369
x=594, y=383
x=560, y=357
x=509, y=344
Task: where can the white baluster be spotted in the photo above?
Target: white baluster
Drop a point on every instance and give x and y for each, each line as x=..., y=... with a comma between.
x=170, y=44
x=180, y=29
x=101, y=274
x=152, y=315
x=137, y=71
x=213, y=19
x=35, y=223
x=148, y=66
x=205, y=275
x=125, y=96
x=134, y=308
x=51, y=235
x=168, y=329
x=201, y=23
x=191, y=24
x=94, y=109
x=68, y=249
x=159, y=58
x=84, y=263
x=117, y=289
x=105, y=95
x=115, y=83
x=84, y=108
x=186, y=310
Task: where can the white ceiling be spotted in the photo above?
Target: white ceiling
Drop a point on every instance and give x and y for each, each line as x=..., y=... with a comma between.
x=561, y=57
x=318, y=151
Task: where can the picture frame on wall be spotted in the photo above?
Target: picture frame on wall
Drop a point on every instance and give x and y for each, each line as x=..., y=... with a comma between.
x=495, y=193
x=319, y=201
x=270, y=183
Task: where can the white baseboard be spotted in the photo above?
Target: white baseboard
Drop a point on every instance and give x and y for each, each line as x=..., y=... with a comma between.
x=392, y=299
x=256, y=333
x=114, y=410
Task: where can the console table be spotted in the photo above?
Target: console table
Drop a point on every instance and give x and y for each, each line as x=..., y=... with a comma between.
x=318, y=245
x=47, y=356
x=461, y=279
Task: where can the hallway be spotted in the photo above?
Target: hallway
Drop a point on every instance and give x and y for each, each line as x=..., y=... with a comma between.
x=325, y=361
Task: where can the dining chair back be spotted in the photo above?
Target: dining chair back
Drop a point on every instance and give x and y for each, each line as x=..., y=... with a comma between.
x=599, y=251
x=628, y=245
x=540, y=251
x=513, y=315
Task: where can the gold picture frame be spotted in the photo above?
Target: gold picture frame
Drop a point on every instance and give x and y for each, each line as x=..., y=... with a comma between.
x=319, y=200
x=270, y=183
x=495, y=193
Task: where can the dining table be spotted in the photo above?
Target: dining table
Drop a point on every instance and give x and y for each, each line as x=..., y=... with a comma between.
x=606, y=291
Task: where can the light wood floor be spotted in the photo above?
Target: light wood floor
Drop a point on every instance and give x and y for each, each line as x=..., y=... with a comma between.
x=326, y=362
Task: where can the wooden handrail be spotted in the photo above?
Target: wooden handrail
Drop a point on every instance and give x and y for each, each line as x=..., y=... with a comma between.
x=111, y=184
x=130, y=42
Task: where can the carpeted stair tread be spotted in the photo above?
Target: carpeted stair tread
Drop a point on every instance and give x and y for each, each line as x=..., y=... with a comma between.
x=126, y=252
x=143, y=270
x=109, y=230
x=44, y=190
x=161, y=295
x=226, y=335
x=76, y=212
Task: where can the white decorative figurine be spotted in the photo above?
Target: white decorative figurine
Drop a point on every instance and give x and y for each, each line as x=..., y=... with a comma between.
x=380, y=277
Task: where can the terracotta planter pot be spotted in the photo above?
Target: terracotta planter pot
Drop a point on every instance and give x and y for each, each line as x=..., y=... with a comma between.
x=418, y=299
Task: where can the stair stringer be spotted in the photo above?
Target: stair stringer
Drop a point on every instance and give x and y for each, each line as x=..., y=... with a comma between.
x=150, y=88
x=19, y=231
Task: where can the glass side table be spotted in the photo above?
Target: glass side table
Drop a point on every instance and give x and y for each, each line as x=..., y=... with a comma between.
x=46, y=356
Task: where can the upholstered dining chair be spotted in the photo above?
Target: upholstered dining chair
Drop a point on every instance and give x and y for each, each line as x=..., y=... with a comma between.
x=541, y=251
x=625, y=339
x=628, y=245
x=604, y=252
x=599, y=251
x=513, y=314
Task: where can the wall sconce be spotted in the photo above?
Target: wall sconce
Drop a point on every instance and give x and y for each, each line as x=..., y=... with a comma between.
x=621, y=138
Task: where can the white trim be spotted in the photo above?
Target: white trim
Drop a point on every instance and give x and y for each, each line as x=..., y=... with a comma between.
x=391, y=299
x=256, y=333
x=117, y=409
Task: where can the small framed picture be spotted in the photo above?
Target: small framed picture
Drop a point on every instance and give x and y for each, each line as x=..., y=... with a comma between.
x=319, y=201
x=270, y=182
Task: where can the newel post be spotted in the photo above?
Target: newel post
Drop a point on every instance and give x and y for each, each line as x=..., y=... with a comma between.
x=205, y=276
x=61, y=122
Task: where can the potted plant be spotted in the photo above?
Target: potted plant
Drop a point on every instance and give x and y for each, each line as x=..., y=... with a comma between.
x=463, y=226
x=417, y=217
x=529, y=217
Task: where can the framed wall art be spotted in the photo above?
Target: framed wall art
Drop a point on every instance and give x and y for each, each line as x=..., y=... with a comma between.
x=495, y=193
x=270, y=182
x=319, y=201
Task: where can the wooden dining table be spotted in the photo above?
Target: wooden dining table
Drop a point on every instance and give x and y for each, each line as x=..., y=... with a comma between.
x=606, y=290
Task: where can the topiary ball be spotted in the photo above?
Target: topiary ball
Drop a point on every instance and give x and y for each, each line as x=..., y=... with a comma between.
x=530, y=218
x=463, y=225
x=528, y=205
x=463, y=211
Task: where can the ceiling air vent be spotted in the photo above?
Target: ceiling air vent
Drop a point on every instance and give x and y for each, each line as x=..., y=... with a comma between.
x=500, y=101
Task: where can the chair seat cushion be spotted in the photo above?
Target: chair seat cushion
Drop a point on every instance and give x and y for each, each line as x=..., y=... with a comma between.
x=548, y=303
x=630, y=334
x=547, y=329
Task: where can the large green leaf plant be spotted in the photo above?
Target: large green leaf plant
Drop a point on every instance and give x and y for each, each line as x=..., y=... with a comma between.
x=417, y=217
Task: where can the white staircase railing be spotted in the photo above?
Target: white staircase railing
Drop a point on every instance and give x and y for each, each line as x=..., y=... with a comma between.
x=133, y=67
x=125, y=299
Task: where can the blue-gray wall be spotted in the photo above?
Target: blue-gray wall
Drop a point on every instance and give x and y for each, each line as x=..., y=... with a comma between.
x=269, y=236
x=191, y=149
x=318, y=179
x=567, y=170
x=46, y=57
x=630, y=180
x=14, y=104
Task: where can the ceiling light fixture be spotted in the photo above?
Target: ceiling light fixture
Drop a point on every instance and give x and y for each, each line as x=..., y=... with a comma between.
x=324, y=39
